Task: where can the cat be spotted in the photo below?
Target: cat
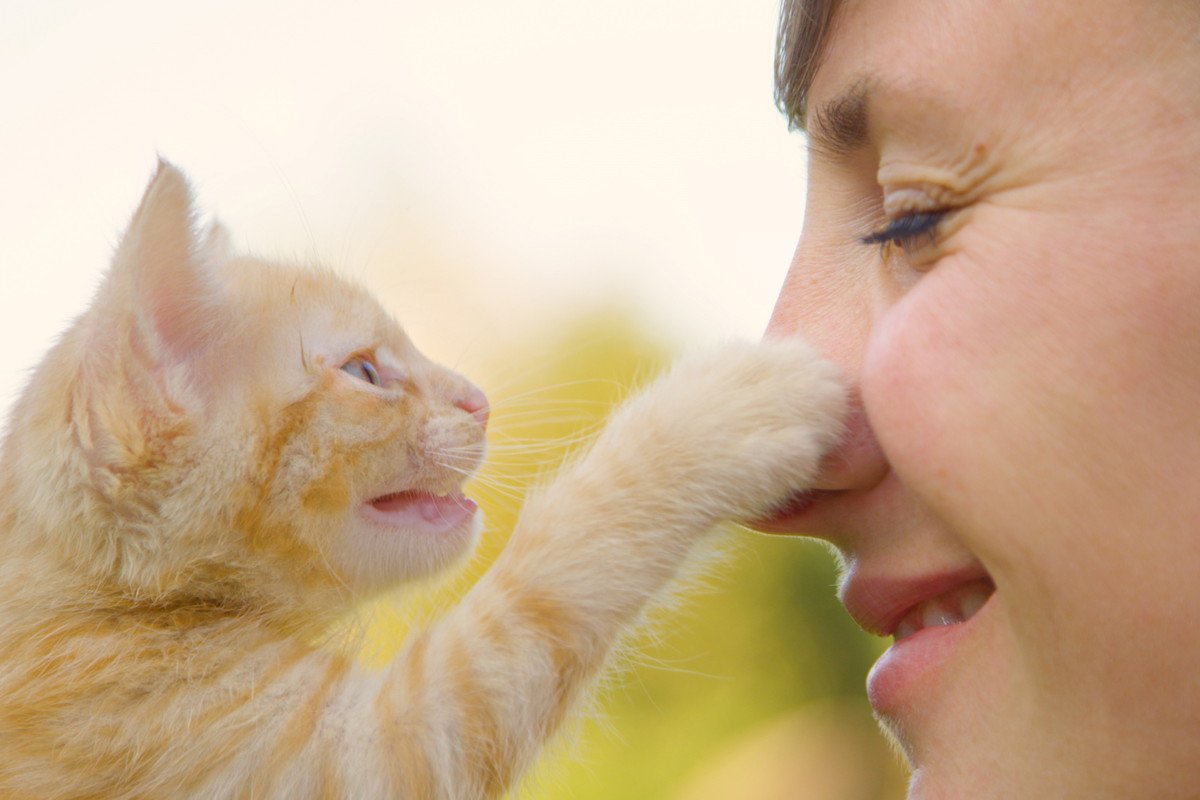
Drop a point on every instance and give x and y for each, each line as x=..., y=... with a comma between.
x=222, y=453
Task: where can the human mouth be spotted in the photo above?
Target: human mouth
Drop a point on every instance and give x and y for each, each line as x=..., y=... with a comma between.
x=931, y=620
x=951, y=608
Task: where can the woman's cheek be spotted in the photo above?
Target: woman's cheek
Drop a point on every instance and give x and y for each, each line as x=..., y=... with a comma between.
x=956, y=381
x=932, y=401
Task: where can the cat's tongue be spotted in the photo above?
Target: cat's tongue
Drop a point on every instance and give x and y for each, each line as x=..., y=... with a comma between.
x=423, y=509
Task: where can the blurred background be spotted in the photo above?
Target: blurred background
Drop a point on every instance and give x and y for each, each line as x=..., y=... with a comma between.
x=554, y=197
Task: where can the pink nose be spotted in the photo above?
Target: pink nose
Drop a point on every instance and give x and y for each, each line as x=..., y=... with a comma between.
x=475, y=403
x=857, y=462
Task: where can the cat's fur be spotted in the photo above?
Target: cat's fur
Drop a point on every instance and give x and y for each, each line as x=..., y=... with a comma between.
x=183, y=503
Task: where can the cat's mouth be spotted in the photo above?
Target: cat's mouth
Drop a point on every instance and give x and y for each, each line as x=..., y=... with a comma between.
x=421, y=511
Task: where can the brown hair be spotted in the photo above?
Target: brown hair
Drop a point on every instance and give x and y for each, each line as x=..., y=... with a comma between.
x=803, y=25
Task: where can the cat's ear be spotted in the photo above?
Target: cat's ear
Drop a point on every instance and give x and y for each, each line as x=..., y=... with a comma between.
x=216, y=245
x=162, y=272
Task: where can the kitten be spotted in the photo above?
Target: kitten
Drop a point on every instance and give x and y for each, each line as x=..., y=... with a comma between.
x=222, y=453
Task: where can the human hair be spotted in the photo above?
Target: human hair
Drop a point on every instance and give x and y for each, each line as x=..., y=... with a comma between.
x=803, y=29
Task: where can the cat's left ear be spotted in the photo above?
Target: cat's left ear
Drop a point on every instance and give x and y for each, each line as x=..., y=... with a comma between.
x=163, y=273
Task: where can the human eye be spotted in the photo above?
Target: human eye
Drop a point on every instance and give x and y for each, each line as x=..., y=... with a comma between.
x=909, y=232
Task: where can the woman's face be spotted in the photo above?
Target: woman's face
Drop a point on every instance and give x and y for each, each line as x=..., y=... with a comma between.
x=1026, y=347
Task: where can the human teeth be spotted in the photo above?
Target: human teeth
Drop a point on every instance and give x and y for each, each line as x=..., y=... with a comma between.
x=949, y=609
x=972, y=601
x=907, y=627
x=933, y=615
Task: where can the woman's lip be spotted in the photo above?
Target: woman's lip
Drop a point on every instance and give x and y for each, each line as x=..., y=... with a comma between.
x=907, y=673
x=878, y=603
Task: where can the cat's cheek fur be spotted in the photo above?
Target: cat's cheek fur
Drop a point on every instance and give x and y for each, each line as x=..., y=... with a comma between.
x=326, y=455
x=375, y=555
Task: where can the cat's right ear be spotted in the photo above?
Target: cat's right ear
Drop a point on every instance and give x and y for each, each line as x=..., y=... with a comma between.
x=162, y=281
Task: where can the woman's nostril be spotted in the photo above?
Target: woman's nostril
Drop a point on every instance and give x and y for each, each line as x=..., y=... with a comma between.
x=857, y=462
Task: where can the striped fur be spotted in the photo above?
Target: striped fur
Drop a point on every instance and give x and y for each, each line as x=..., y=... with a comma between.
x=180, y=507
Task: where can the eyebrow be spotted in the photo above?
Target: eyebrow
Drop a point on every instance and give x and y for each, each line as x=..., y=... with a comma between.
x=840, y=126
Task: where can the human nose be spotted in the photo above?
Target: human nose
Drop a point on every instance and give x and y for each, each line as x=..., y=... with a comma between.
x=856, y=463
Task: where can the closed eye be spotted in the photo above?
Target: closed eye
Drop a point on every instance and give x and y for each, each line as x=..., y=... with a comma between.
x=362, y=369
x=909, y=231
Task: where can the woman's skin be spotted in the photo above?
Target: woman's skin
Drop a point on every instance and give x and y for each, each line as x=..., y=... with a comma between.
x=1029, y=377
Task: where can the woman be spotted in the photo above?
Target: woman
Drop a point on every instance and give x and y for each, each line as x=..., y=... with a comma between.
x=1002, y=252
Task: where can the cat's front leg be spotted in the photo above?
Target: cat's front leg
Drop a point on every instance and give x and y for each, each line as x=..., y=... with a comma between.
x=727, y=435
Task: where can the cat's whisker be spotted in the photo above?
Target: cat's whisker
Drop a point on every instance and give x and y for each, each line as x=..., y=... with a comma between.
x=514, y=495
x=549, y=414
x=517, y=433
x=505, y=400
x=643, y=660
x=470, y=473
x=479, y=478
x=493, y=479
x=541, y=424
x=525, y=456
x=543, y=407
x=523, y=376
x=467, y=454
x=562, y=446
x=514, y=489
x=530, y=446
x=295, y=198
x=560, y=357
x=444, y=464
x=540, y=431
x=541, y=442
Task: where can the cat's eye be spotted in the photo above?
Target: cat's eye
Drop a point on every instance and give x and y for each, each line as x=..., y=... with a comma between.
x=362, y=369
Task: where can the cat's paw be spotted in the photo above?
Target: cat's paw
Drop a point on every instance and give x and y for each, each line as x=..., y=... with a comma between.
x=741, y=428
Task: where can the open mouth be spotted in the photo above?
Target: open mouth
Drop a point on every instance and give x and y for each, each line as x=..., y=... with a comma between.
x=955, y=606
x=423, y=511
x=928, y=636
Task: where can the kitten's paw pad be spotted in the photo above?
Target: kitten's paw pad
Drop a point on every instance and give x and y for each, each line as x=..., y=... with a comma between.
x=747, y=424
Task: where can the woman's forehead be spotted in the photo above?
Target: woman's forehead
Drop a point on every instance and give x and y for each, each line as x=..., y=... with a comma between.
x=891, y=41
x=969, y=42
x=972, y=53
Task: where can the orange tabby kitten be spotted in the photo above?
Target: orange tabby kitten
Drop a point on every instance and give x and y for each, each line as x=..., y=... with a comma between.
x=221, y=453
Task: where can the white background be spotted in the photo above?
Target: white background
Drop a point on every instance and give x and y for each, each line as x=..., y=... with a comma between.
x=485, y=165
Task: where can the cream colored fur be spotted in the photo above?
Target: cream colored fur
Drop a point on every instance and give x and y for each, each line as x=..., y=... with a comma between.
x=181, y=504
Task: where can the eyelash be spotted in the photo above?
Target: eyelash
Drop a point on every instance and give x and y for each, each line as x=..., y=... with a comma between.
x=908, y=231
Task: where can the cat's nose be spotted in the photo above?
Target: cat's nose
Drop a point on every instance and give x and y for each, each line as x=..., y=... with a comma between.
x=475, y=403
